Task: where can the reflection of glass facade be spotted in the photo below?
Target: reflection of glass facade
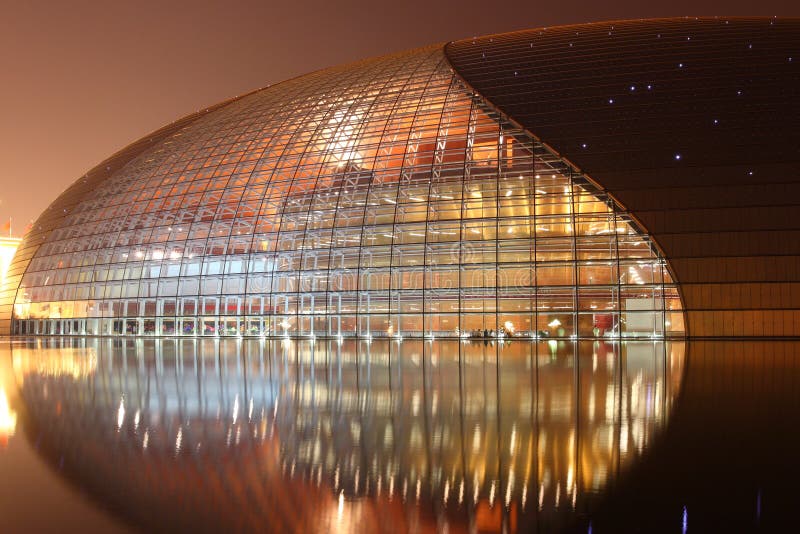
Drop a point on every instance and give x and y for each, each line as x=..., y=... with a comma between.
x=379, y=199
x=265, y=432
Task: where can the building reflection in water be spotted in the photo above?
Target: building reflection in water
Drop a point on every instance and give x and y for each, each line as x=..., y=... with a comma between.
x=8, y=418
x=344, y=436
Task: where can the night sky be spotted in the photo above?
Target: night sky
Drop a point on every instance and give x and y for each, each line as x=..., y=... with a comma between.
x=82, y=79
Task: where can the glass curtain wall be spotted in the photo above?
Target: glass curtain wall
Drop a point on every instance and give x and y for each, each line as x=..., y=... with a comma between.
x=379, y=199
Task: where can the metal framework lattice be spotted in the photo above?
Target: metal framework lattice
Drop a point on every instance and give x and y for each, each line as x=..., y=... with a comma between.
x=379, y=199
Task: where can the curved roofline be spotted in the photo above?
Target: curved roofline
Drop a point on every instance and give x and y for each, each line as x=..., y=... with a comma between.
x=60, y=212
x=157, y=135
x=594, y=24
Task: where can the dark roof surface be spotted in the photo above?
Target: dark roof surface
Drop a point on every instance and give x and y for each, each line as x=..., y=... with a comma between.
x=647, y=94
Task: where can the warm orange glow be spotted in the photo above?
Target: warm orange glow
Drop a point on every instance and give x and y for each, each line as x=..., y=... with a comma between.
x=8, y=417
x=8, y=399
x=71, y=362
x=8, y=246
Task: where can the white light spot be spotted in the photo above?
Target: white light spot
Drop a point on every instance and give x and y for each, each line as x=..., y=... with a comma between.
x=121, y=413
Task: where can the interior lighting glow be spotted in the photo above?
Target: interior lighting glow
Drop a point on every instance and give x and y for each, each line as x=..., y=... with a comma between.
x=318, y=244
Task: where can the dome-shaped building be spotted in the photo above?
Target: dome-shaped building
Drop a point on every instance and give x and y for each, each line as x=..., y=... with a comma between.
x=550, y=183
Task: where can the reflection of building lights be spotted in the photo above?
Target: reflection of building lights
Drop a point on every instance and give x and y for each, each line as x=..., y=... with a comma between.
x=75, y=363
x=555, y=323
x=315, y=455
x=8, y=417
x=121, y=413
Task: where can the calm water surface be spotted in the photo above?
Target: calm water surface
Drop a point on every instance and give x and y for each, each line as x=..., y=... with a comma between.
x=413, y=436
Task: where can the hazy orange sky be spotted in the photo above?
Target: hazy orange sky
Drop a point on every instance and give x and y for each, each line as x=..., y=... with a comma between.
x=82, y=79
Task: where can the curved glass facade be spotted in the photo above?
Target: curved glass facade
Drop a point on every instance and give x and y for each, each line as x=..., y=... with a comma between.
x=378, y=199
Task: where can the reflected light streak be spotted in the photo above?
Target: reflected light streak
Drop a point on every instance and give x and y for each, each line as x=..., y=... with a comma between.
x=8, y=417
x=121, y=413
